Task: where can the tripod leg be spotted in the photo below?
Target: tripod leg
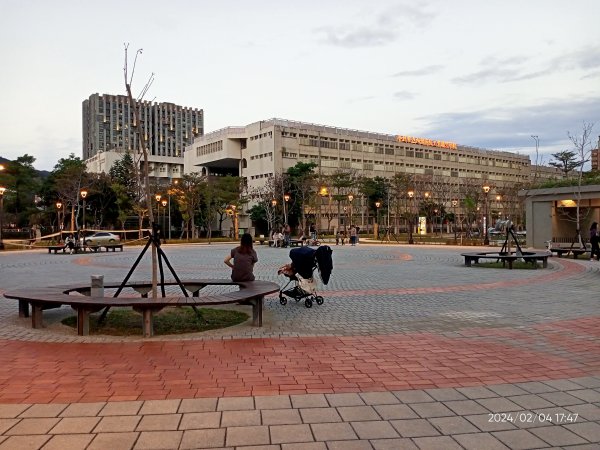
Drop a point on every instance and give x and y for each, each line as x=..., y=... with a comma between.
x=162, y=253
x=135, y=264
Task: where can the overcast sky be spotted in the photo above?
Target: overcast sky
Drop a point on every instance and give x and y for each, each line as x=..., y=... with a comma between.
x=487, y=74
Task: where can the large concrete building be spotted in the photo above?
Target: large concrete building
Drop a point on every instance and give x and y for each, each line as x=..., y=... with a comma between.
x=109, y=130
x=259, y=150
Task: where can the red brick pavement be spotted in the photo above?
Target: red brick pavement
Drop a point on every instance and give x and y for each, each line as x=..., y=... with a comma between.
x=36, y=372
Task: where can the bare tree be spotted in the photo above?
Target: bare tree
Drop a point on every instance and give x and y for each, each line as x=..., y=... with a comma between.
x=582, y=144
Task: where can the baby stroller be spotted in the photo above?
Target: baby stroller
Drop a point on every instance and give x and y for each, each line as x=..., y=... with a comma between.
x=300, y=271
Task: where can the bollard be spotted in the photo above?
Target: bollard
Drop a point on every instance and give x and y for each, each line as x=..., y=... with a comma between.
x=97, y=286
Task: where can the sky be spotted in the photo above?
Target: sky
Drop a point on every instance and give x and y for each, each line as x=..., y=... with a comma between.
x=484, y=74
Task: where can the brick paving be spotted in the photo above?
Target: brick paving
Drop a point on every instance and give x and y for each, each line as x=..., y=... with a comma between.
x=410, y=350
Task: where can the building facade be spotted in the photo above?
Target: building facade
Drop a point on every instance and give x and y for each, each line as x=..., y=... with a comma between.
x=259, y=150
x=109, y=130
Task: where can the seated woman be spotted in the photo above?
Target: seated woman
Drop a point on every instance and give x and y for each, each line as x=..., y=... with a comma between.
x=70, y=243
x=244, y=257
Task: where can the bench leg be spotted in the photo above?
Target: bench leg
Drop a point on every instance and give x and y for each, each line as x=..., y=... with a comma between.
x=23, y=308
x=36, y=316
x=257, y=311
x=83, y=322
x=467, y=261
x=148, y=322
x=545, y=263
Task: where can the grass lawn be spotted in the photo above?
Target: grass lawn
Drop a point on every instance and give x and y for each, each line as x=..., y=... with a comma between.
x=125, y=322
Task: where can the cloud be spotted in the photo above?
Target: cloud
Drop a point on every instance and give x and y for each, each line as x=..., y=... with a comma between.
x=383, y=28
x=511, y=128
x=404, y=95
x=427, y=70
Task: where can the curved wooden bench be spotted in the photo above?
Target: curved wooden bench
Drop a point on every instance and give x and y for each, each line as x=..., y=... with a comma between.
x=249, y=293
x=528, y=257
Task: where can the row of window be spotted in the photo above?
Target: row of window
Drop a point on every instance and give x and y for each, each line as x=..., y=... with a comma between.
x=261, y=175
x=264, y=155
x=262, y=135
x=207, y=149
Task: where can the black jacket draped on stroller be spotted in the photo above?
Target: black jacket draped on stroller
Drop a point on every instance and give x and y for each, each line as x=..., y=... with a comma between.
x=301, y=273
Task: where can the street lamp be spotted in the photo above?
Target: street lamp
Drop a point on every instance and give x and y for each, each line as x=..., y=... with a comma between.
x=435, y=218
x=2, y=190
x=454, y=205
x=84, y=194
x=350, y=199
x=164, y=202
x=235, y=221
x=376, y=230
x=411, y=196
x=498, y=200
x=286, y=199
x=486, y=190
x=59, y=206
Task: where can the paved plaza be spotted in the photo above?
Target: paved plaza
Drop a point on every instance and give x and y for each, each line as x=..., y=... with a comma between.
x=411, y=349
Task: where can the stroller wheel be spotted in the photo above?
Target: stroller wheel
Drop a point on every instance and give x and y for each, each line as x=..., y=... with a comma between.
x=319, y=300
x=282, y=299
x=308, y=303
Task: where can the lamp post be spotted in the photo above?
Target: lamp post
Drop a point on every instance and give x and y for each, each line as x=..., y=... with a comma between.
x=411, y=196
x=286, y=199
x=350, y=199
x=59, y=206
x=376, y=227
x=454, y=205
x=169, y=204
x=157, y=197
x=435, y=220
x=323, y=192
x=273, y=204
x=235, y=221
x=84, y=194
x=498, y=200
x=164, y=203
x=486, y=190
x=2, y=190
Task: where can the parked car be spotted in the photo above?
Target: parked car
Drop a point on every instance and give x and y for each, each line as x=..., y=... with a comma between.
x=102, y=238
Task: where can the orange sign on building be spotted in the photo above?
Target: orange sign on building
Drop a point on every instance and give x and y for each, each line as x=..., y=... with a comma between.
x=423, y=141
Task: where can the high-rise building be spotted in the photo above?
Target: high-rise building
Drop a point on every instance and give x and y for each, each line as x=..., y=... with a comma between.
x=109, y=130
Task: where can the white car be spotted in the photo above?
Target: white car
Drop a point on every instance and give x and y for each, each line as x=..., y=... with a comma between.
x=102, y=238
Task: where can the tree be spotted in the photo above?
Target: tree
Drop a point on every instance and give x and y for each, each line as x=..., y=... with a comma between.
x=23, y=183
x=188, y=193
x=303, y=189
x=582, y=144
x=566, y=161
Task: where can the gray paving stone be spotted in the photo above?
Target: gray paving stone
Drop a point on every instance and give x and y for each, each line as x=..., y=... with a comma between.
x=561, y=398
x=530, y=401
x=114, y=424
x=426, y=410
x=484, y=423
x=452, y=425
x=507, y=390
x=191, y=405
x=235, y=403
x=536, y=387
x=562, y=385
x=68, y=442
x=240, y=418
x=290, y=433
x=498, y=404
x=477, y=392
x=158, y=440
x=585, y=411
x=349, y=445
x=589, y=382
x=445, y=394
x=73, y=425
x=7, y=424
x=273, y=402
x=32, y=426
x=587, y=430
x=309, y=401
x=12, y=411
x=464, y=407
x=393, y=444
x=437, y=443
x=414, y=428
x=350, y=399
x=477, y=441
x=24, y=442
x=113, y=441
x=303, y=446
x=358, y=413
x=319, y=415
x=83, y=409
x=587, y=395
x=389, y=412
x=44, y=410
x=413, y=396
x=519, y=439
x=333, y=431
x=252, y=435
x=281, y=416
x=159, y=422
x=121, y=408
x=374, y=430
x=379, y=398
x=208, y=438
x=558, y=436
x=200, y=420
x=160, y=407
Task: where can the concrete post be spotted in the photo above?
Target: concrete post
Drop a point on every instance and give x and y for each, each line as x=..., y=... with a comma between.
x=97, y=286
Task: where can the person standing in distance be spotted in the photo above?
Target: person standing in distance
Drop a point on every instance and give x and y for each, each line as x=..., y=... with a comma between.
x=244, y=257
